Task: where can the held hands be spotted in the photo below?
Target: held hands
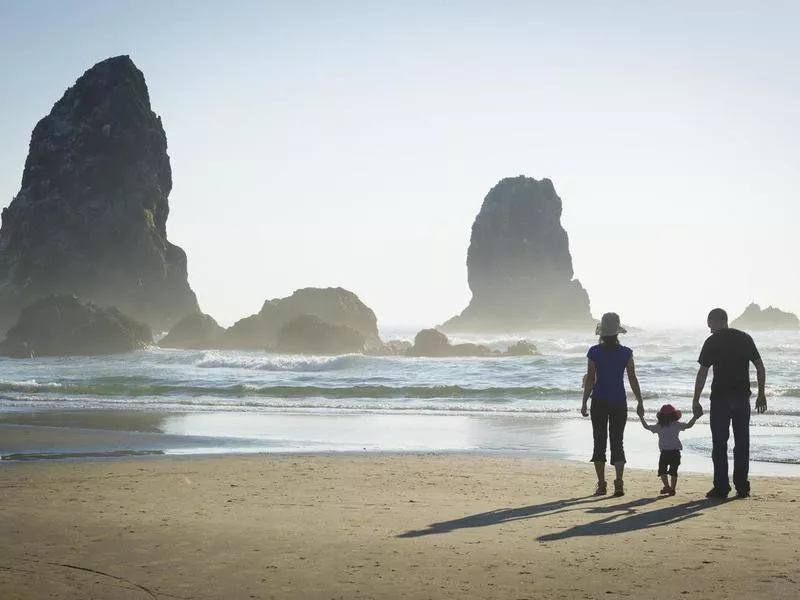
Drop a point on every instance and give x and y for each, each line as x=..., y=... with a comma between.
x=640, y=409
x=761, y=403
x=697, y=410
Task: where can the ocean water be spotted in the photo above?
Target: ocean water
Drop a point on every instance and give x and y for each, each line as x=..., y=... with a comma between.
x=228, y=401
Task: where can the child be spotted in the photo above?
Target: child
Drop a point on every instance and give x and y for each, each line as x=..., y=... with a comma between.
x=668, y=429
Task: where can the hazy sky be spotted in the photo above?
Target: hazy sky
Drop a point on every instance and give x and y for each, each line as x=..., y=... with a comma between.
x=352, y=143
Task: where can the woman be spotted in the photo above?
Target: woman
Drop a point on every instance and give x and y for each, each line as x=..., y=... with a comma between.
x=608, y=361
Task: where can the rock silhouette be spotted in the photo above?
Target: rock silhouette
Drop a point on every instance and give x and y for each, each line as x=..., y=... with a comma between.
x=770, y=318
x=519, y=265
x=334, y=306
x=90, y=216
x=62, y=325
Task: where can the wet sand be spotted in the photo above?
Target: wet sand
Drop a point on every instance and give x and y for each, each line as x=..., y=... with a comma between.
x=75, y=433
x=383, y=526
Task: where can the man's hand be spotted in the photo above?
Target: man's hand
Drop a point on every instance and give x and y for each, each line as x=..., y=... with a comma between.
x=761, y=403
x=640, y=409
x=697, y=409
x=584, y=409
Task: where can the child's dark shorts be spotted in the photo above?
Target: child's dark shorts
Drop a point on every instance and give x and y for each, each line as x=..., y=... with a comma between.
x=669, y=461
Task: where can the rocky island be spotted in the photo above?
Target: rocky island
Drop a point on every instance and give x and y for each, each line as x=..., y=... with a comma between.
x=311, y=320
x=767, y=319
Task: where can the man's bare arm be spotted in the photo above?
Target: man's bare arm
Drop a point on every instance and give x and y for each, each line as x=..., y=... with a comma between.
x=761, y=377
x=699, y=384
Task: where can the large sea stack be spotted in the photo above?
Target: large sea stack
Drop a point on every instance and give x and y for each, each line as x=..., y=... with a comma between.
x=519, y=266
x=90, y=217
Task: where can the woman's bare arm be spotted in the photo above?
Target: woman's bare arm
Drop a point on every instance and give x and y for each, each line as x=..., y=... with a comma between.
x=588, y=384
x=631, y=369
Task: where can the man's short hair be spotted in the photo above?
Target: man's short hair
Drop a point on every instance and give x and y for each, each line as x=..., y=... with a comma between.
x=718, y=315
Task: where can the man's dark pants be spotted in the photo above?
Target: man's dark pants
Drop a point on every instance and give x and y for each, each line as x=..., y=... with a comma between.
x=727, y=410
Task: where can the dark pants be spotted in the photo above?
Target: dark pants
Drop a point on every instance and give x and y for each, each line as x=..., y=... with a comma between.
x=727, y=411
x=608, y=421
x=668, y=462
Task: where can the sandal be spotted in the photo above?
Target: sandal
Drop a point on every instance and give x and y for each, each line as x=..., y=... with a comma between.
x=619, y=490
x=602, y=488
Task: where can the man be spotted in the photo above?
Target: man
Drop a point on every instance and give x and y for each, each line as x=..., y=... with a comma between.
x=730, y=352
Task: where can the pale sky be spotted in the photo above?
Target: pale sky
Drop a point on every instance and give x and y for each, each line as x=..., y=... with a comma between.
x=352, y=143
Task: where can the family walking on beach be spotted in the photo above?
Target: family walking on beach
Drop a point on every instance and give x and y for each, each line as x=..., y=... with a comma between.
x=729, y=351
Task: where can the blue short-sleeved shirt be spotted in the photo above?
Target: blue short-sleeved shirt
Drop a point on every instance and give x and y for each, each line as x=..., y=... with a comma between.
x=611, y=363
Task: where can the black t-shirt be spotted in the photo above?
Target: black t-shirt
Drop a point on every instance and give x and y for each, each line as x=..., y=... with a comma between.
x=730, y=352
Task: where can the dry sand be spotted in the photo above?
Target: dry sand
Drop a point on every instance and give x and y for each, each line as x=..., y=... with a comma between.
x=385, y=526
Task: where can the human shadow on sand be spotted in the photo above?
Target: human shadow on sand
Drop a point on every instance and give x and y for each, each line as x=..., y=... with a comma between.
x=503, y=515
x=631, y=519
x=624, y=516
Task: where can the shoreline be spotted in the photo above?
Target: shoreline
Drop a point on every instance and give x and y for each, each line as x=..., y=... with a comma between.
x=378, y=526
x=116, y=435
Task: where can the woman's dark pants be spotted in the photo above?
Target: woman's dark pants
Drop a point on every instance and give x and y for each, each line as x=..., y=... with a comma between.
x=608, y=422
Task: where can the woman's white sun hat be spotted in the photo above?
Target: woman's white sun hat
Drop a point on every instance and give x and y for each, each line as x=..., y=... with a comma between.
x=609, y=325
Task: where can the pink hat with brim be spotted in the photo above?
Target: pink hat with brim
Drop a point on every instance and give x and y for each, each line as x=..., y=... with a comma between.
x=668, y=409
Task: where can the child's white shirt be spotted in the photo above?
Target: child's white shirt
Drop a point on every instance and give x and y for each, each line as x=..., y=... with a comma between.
x=669, y=435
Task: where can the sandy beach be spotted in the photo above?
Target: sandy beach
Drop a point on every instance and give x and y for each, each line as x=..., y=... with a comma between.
x=383, y=526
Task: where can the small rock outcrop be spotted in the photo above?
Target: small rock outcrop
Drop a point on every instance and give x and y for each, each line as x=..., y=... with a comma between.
x=767, y=319
x=334, y=306
x=522, y=348
x=65, y=326
x=308, y=334
x=519, y=266
x=392, y=348
x=470, y=349
x=430, y=342
x=197, y=331
x=433, y=343
x=90, y=216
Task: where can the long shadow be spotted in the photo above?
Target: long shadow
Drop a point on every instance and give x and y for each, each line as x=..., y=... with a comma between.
x=622, y=517
x=503, y=515
x=632, y=520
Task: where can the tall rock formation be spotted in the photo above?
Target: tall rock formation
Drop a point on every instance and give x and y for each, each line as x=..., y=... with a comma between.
x=90, y=217
x=519, y=266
